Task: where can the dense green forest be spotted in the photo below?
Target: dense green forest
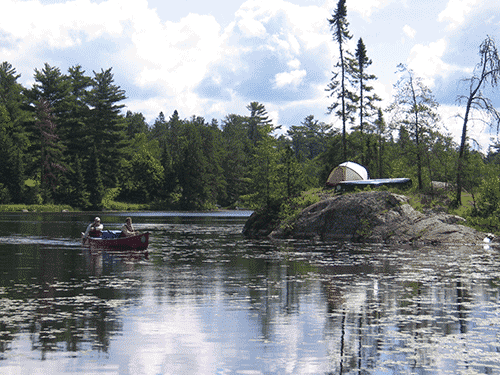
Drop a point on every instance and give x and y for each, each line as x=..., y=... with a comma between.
x=68, y=139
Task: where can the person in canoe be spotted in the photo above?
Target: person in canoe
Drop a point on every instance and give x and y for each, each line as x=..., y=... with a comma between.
x=127, y=228
x=94, y=229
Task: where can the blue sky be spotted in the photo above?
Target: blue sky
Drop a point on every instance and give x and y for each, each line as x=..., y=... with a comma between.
x=212, y=58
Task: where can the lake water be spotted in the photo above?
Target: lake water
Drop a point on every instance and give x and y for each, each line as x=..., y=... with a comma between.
x=208, y=301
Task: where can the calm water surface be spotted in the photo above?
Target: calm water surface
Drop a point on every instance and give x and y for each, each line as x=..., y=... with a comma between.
x=208, y=301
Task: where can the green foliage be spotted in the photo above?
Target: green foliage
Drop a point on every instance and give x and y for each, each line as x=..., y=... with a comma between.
x=292, y=207
x=142, y=176
x=34, y=208
x=95, y=182
x=414, y=114
x=114, y=160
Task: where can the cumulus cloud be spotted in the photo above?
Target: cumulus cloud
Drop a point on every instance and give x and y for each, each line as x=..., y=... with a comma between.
x=365, y=7
x=279, y=58
x=251, y=28
x=479, y=134
x=456, y=11
x=427, y=62
x=293, y=78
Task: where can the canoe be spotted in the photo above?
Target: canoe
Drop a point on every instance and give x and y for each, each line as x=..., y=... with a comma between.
x=110, y=240
x=345, y=186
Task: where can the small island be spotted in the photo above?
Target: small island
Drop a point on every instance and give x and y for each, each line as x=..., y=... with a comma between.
x=371, y=216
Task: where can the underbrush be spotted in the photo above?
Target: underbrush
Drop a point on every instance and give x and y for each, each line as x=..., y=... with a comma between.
x=34, y=208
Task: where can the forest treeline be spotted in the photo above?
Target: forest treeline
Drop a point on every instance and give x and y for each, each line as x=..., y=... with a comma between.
x=68, y=139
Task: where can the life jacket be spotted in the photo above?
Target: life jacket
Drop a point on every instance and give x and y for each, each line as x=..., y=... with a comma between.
x=95, y=233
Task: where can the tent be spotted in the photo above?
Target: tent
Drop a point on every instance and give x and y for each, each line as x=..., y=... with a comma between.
x=347, y=171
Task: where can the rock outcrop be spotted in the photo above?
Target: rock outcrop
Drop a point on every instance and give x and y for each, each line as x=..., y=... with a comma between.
x=368, y=217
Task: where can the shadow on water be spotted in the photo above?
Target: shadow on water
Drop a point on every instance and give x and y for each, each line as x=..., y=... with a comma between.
x=209, y=301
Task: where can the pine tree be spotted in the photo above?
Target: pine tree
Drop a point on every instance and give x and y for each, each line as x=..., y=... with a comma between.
x=338, y=85
x=80, y=194
x=105, y=126
x=95, y=181
x=13, y=119
x=235, y=161
x=258, y=119
x=193, y=167
x=367, y=102
x=51, y=151
x=73, y=126
x=380, y=128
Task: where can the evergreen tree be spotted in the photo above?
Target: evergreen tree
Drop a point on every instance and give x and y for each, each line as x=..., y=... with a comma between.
x=367, y=99
x=105, y=127
x=135, y=123
x=79, y=194
x=13, y=119
x=51, y=151
x=192, y=179
x=94, y=180
x=258, y=119
x=293, y=175
x=169, y=175
x=14, y=101
x=380, y=128
x=54, y=88
x=213, y=151
x=338, y=85
x=141, y=176
x=7, y=150
x=235, y=160
x=267, y=187
x=73, y=127
x=310, y=138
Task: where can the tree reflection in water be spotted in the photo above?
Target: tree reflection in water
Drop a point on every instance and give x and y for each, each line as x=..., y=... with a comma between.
x=210, y=301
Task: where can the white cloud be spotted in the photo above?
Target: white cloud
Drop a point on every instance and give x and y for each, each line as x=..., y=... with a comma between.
x=364, y=7
x=64, y=25
x=456, y=12
x=293, y=78
x=478, y=132
x=294, y=64
x=252, y=28
x=426, y=61
x=176, y=56
x=409, y=31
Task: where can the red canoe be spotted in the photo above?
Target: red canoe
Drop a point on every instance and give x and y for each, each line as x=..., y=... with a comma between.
x=109, y=241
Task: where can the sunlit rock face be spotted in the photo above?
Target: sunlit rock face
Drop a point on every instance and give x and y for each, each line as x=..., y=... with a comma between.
x=373, y=217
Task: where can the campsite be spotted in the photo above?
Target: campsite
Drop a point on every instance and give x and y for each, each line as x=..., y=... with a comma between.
x=314, y=187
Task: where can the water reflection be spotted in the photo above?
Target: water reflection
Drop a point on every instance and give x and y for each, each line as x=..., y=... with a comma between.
x=208, y=301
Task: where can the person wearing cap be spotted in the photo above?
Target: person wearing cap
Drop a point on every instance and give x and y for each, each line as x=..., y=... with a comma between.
x=127, y=228
x=94, y=229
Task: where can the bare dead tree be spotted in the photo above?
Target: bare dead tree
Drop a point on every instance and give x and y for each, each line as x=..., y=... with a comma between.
x=486, y=73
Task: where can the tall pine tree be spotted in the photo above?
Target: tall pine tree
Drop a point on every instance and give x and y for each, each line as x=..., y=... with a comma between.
x=105, y=126
x=339, y=83
x=367, y=99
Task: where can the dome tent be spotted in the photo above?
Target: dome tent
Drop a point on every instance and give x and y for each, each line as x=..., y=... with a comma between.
x=348, y=171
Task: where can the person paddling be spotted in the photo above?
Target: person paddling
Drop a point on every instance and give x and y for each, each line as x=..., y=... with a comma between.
x=94, y=229
x=127, y=228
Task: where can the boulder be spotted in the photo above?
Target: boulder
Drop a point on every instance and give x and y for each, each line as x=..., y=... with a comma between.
x=368, y=217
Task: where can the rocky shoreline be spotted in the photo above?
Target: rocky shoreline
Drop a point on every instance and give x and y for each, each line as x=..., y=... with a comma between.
x=366, y=217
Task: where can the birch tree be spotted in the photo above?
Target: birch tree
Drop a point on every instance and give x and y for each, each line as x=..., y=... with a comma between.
x=415, y=109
